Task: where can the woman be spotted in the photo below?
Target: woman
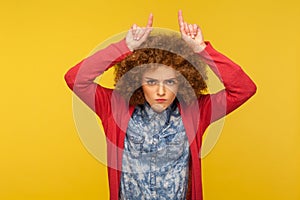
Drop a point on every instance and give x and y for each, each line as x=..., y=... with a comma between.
x=155, y=117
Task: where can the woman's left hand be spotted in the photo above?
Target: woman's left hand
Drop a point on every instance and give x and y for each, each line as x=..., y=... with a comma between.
x=191, y=34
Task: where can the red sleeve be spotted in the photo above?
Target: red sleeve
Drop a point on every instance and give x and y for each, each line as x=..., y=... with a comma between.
x=238, y=86
x=80, y=78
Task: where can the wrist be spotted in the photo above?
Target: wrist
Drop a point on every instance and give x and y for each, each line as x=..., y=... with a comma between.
x=129, y=46
x=200, y=47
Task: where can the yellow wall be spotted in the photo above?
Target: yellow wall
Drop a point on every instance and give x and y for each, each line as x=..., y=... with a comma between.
x=42, y=157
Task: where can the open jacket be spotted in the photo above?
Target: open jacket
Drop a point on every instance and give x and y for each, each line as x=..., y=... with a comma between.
x=115, y=112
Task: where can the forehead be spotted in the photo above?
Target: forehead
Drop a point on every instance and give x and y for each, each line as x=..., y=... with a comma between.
x=160, y=72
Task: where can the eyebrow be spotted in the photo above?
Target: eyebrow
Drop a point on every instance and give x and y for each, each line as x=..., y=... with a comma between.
x=149, y=78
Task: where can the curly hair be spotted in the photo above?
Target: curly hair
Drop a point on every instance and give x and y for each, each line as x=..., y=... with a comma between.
x=166, y=49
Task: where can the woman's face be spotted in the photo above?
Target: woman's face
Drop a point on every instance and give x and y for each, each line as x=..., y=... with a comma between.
x=160, y=87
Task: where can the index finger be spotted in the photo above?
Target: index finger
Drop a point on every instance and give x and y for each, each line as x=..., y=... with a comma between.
x=150, y=20
x=180, y=18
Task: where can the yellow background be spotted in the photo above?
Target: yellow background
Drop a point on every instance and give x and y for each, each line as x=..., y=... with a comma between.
x=42, y=157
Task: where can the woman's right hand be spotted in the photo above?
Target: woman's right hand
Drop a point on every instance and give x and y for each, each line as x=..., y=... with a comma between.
x=137, y=35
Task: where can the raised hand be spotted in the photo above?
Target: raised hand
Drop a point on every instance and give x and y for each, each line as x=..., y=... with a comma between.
x=137, y=35
x=191, y=34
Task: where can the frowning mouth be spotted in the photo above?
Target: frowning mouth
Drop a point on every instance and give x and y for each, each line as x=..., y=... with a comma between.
x=161, y=100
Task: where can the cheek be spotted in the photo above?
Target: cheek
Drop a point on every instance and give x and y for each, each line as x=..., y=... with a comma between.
x=147, y=92
x=172, y=91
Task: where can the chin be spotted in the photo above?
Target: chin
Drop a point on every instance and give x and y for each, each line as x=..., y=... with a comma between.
x=158, y=108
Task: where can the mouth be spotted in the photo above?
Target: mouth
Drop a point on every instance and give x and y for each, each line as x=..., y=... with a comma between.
x=160, y=100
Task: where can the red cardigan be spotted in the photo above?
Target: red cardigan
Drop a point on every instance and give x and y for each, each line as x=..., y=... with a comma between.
x=115, y=112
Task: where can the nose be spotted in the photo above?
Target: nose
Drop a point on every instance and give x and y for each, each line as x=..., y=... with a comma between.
x=161, y=90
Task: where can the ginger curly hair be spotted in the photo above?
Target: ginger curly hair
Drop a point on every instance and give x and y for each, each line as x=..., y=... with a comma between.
x=165, y=49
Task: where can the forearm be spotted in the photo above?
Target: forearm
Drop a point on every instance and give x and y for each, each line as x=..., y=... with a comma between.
x=238, y=86
x=236, y=82
x=80, y=78
x=85, y=72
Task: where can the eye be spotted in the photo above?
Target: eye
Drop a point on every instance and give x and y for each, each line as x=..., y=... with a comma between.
x=170, y=82
x=151, y=82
